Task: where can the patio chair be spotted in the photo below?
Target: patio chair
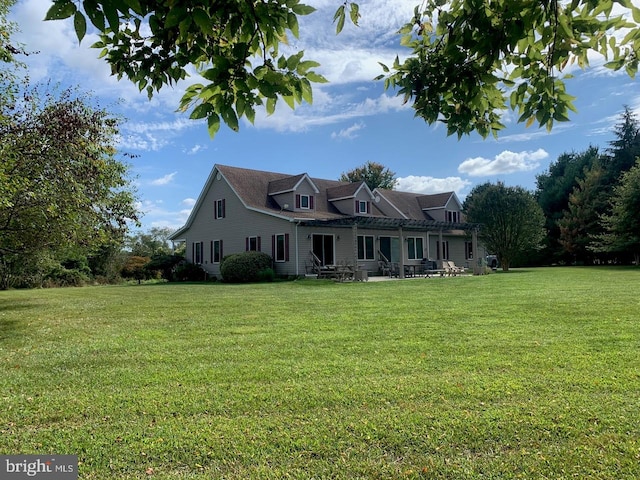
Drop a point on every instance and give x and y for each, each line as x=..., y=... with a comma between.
x=453, y=268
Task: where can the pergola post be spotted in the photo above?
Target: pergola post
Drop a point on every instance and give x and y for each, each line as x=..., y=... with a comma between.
x=354, y=233
x=401, y=263
x=477, y=264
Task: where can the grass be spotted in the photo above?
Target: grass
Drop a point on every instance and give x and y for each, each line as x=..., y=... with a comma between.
x=531, y=374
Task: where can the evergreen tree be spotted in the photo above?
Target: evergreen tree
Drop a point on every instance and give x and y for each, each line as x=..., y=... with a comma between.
x=580, y=223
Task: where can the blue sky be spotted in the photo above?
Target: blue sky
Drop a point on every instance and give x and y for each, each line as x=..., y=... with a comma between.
x=352, y=120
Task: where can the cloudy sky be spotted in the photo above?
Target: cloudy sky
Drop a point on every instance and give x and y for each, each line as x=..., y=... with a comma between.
x=352, y=120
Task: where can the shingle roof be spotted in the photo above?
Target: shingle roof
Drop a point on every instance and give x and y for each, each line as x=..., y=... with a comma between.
x=255, y=187
x=437, y=200
x=284, y=184
x=344, y=190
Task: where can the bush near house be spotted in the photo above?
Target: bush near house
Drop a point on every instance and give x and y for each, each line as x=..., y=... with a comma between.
x=246, y=267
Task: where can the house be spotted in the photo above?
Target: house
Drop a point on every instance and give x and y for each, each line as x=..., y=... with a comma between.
x=298, y=219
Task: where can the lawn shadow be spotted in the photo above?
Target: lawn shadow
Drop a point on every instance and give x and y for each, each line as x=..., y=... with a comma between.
x=11, y=326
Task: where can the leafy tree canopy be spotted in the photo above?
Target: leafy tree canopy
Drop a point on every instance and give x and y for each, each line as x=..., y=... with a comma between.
x=622, y=225
x=470, y=59
x=233, y=45
x=374, y=174
x=513, y=222
x=60, y=182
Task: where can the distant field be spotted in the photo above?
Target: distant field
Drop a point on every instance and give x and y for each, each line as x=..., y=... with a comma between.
x=530, y=374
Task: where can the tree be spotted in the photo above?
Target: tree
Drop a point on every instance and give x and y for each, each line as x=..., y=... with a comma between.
x=154, y=43
x=373, y=174
x=469, y=57
x=60, y=180
x=553, y=189
x=623, y=151
x=580, y=223
x=152, y=243
x=622, y=225
x=8, y=61
x=512, y=221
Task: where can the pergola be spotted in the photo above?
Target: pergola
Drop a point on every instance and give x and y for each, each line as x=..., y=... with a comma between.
x=399, y=225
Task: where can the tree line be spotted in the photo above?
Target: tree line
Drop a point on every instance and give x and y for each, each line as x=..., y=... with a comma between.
x=583, y=211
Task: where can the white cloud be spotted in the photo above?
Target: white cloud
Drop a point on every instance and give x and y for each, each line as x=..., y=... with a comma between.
x=327, y=111
x=348, y=133
x=430, y=185
x=164, y=180
x=195, y=149
x=188, y=202
x=504, y=162
x=153, y=136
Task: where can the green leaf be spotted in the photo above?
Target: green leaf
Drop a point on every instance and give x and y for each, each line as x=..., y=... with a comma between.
x=314, y=77
x=250, y=113
x=271, y=105
x=292, y=23
x=80, y=25
x=134, y=5
x=112, y=16
x=175, y=16
x=340, y=17
x=213, y=124
x=202, y=20
x=230, y=118
x=294, y=60
x=288, y=99
x=200, y=111
x=307, y=92
x=354, y=13
x=304, y=66
x=301, y=9
x=61, y=9
x=95, y=15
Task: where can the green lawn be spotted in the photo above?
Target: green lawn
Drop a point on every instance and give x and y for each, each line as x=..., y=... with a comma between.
x=530, y=374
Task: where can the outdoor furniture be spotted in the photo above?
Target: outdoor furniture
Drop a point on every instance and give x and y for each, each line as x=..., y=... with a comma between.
x=394, y=269
x=409, y=270
x=384, y=267
x=452, y=268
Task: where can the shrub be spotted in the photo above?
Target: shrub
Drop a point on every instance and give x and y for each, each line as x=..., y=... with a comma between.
x=246, y=267
x=66, y=277
x=165, y=265
x=266, y=275
x=135, y=268
x=189, y=272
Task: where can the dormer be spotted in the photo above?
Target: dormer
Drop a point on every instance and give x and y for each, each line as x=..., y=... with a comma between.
x=443, y=207
x=295, y=193
x=351, y=198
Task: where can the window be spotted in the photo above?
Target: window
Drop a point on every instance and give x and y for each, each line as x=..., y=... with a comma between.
x=468, y=250
x=197, y=253
x=365, y=247
x=280, y=247
x=415, y=248
x=453, y=217
x=304, y=202
x=443, y=252
x=363, y=207
x=252, y=244
x=219, y=209
x=216, y=251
